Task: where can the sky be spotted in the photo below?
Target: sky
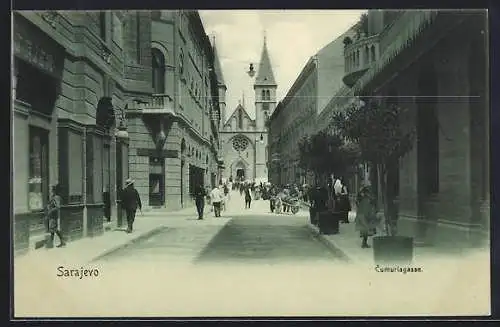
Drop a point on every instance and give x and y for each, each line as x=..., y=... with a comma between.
x=293, y=36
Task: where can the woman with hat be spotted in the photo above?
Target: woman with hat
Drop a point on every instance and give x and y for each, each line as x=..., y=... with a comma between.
x=366, y=219
x=130, y=202
x=53, y=211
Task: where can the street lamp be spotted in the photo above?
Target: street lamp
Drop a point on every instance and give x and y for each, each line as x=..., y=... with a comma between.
x=251, y=71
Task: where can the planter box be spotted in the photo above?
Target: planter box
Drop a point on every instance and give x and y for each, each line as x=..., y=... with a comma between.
x=328, y=223
x=393, y=249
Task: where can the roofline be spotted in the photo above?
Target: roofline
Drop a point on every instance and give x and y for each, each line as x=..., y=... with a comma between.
x=299, y=80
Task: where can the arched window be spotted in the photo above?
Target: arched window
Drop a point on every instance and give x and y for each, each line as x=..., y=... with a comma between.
x=366, y=57
x=263, y=94
x=372, y=50
x=158, y=71
x=268, y=95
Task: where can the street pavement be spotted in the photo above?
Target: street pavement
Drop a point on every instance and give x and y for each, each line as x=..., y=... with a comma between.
x=249, y=262
x=251, y=236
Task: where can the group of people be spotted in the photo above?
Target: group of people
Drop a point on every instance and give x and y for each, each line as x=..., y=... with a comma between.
x=334, y=197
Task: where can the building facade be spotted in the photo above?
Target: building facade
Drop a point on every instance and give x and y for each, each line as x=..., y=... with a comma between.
x=72, y=72
x=435, y=64
x=173, y=129
x=245, y=140
x=99, y=97
x=296, y=114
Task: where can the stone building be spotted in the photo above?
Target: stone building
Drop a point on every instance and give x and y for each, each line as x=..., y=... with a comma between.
x=174, y=129
x=244, y=140
x=72, y=73
x=296, y=114
x=95, y=91
x=434, y=63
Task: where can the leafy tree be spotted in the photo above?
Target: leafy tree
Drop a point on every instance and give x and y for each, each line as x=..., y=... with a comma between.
x=375, y=127
x=325, y=153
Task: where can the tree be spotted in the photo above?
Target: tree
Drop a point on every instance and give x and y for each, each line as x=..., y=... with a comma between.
x=375, y=127
x=325, y=153
x=362, y=25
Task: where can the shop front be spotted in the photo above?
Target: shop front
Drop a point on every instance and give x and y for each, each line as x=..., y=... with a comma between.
x=37, y=71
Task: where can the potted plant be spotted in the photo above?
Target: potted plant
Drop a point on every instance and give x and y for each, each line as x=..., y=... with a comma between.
x=326, y=153
x=375, y=127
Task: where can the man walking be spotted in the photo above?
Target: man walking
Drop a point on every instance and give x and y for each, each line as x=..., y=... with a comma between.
x=199, y=198
x=130, y=202
x=216, y=196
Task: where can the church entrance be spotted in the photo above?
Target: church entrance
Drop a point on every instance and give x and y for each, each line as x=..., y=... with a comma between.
x=240, y=174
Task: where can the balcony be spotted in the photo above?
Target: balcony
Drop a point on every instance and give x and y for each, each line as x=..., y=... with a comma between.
x=359, y=56
x=161, y=104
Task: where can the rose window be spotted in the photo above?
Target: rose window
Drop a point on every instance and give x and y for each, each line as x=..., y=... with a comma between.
x=240, y=143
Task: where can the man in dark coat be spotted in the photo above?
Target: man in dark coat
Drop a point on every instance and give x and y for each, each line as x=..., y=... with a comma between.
x=199, y=197
x=130, y=202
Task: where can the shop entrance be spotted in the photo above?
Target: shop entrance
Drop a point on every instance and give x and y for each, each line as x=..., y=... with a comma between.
x=156, y=181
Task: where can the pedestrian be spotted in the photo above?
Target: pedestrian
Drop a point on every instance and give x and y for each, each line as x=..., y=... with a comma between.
x=366, y=218
x=248, y=198
x=227, y=196
x=199, y=198
x=53, y=215
x=343, y=204
x=272, y=199
x=130, y=202
x=216, y=197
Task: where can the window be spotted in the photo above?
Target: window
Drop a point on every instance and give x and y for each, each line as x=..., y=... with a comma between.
x=366, y=56
x=158, y=71
x=75, y=165
x=38, y=187
x=268, y=95
x=102, y=25
x=95, y=168
x=240, y=143
x=263, y=94
x=372, y=50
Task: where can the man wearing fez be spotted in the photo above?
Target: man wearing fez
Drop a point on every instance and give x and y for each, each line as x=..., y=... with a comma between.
x=130, y=202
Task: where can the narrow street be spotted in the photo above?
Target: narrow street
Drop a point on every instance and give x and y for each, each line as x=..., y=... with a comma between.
x=253, y=236
x=265, y=239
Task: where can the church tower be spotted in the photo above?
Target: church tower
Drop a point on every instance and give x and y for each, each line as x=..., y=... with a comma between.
x=265, y=90
x=221, y=87
x=265, y=101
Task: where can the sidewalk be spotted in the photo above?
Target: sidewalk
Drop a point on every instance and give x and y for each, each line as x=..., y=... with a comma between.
x=88, y=249
x=347, y=244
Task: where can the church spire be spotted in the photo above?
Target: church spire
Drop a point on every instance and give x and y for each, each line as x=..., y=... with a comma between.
x=265, y=75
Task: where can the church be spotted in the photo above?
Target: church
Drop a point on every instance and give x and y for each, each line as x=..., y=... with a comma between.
x=245, y=140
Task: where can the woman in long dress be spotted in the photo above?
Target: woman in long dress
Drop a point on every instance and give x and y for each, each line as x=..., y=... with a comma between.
x=366, y=220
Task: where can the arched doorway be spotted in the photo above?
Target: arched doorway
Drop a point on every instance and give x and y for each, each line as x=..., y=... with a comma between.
x=239, y=171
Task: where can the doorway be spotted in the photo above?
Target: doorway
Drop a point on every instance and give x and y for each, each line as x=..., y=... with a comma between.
x=240, y=174
x=156, y=181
